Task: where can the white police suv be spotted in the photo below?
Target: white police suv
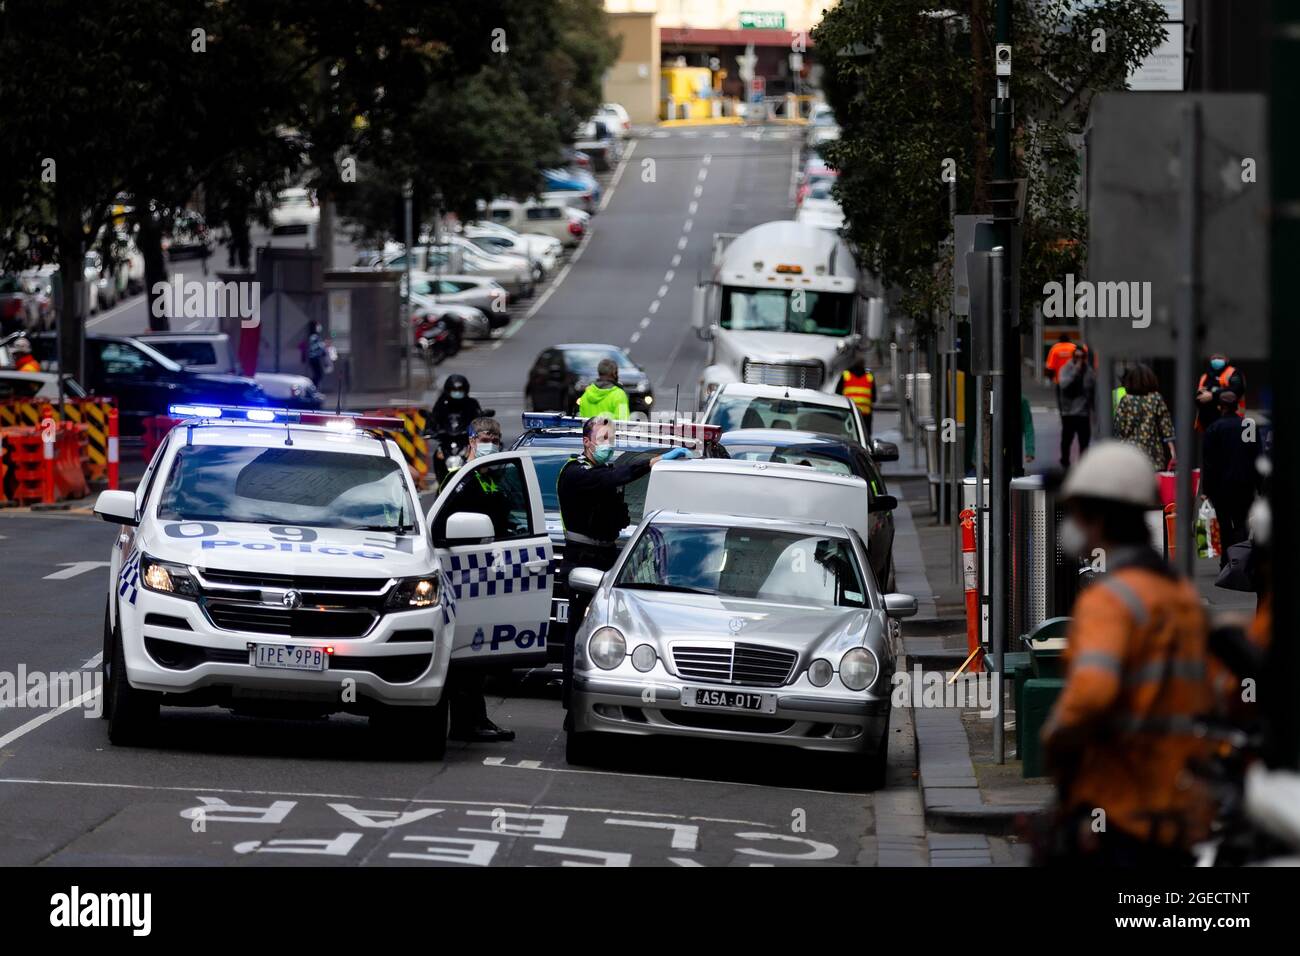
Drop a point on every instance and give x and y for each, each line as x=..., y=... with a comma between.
x=276, y=562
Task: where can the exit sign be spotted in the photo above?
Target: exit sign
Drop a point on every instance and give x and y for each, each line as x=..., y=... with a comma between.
x=762, y=20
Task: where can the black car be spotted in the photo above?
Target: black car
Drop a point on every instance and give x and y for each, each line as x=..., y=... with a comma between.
x=561, y=374
x=836, y=457
x=145, y=382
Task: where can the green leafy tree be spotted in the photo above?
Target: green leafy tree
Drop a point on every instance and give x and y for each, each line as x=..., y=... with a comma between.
x=910, y=82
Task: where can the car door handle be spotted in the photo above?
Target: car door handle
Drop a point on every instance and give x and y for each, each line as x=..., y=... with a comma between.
x=538, y=565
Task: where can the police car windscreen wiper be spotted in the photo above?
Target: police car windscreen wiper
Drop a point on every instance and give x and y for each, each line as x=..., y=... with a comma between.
x=661, y=586
x=390, y=528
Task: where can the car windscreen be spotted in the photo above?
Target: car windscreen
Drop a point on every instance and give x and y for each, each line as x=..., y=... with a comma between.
x=759, y=564
x=292, y=486
x=779, y=310
x=794, y=455
x=584, y=361
x=549, y=461
x=743, y=411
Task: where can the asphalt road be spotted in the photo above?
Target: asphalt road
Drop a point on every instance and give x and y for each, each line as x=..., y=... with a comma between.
x=218, y=789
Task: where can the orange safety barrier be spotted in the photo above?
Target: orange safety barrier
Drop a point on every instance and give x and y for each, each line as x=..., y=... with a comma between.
x=970, y=581
x=112, y=449
x=410, y=440
x=92, y=412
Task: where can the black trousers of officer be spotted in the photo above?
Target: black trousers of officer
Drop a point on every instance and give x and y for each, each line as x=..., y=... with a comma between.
x=580, y=556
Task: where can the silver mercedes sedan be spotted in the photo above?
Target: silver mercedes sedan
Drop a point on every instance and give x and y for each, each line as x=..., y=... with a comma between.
x=741, y=629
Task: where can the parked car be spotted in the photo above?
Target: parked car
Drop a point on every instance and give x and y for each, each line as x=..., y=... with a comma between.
x=214, y=352
x=144, y=381
x=477, y=292
x=617, y=118
x=547, y=217
x=294, y=213
x=819, y=208
x=744, y=405
x=545, y=250
x=561, y=373
x=576, y=186
x=596, y=140
x=41, y=386
x=469, y=322
x=783, y=446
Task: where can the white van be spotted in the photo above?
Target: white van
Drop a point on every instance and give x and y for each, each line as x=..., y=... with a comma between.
x=544, y=216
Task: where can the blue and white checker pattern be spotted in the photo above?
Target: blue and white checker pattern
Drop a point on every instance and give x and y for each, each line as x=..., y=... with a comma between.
x=128, y=579
x=447, y=596
x=492, y=573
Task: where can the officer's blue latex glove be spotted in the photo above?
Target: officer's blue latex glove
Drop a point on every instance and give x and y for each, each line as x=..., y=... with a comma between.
x=676, y=453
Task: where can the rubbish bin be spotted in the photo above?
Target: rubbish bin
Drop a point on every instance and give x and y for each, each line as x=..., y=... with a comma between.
x=1044, y=580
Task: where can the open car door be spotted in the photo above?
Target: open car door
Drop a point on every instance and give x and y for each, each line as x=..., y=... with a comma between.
x=501, y=584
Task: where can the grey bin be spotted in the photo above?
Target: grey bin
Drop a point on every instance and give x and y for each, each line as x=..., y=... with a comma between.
x=1044, y=581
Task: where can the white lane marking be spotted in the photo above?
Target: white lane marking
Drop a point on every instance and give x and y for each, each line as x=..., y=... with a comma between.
x=577, y=254
x=91, y=663
x=704, y=174
x=656, y=776
x=120, y=307
x=663, y=291
x=684, y=837
x=677, y=260
x=654, y=307
x=27, y=728
x=708, y=158
x=659, y=134
x=684, y=861
x=668, y=277
x=687, y=225
x=721, y=135
x=36, y=781
x=72, y=568
x=693, y=208
x=794, y=175
x=501, y=762
x=699, y=190
x=681, y=243
x=636, y=337
x=645, y=322
x=690, y=135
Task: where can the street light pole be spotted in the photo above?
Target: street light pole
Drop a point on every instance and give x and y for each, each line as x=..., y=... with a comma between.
x=407, y=339
x=998, y=485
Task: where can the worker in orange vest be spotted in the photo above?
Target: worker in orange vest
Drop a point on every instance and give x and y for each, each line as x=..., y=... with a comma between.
x=24, y=361
x=859, y=384
x=1218, y=375
x=1059, y=356
x=1123, y=733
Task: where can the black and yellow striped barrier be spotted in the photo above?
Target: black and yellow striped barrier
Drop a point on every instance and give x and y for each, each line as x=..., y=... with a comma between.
x=411, y=440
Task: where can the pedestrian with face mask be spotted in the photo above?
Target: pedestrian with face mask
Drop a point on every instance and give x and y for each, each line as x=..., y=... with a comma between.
x=593, y=512
x=1219, y=374
x=1123, y=734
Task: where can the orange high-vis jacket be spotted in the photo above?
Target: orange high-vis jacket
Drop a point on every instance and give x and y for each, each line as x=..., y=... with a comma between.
x=27, y=363
x=1058, y=357
x=861, y=389
x=1137, y=679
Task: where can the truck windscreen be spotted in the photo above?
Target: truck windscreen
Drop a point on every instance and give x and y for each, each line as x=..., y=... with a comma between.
x=787, y=310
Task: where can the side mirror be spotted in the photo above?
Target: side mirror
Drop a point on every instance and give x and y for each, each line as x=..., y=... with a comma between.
x=117, y=507
x=900, y=605
x=586, y=580
x=883, y=451
x=699, y=301
x=466, y=526
x=884, y=503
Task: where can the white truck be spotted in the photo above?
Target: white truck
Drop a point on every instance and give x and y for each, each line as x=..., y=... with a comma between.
x=785, y=305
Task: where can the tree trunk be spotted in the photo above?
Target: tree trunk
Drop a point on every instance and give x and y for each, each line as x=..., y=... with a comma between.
x=155, y=271
x=72, y=308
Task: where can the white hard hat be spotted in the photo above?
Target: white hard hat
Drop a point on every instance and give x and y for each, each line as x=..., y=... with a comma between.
x=1113, y=471
x=21, y=344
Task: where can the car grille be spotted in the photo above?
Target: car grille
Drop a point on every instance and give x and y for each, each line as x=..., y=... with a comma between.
x=751, y=664
x=794, y=374
x=302, y=582
x=283, y=622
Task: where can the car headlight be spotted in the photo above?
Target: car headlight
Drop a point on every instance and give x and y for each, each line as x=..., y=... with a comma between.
x=820, y=672
x=607, y=648
x=413, y=592
x=858, y=669
x=644, y=657
x=167, y=577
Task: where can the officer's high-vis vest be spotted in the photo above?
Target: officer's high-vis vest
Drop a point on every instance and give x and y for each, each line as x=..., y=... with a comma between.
x=861, y=389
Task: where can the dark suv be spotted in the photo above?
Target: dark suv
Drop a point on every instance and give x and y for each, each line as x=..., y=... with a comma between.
x=145, y=382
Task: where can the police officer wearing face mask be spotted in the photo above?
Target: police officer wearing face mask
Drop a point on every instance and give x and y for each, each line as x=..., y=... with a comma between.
x=593, y=512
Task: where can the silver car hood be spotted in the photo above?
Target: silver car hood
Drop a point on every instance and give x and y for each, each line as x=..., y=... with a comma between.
x=666, y=616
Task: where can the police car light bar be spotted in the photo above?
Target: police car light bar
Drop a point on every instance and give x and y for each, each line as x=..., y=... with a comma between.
x=281, y=416
x=682, y=432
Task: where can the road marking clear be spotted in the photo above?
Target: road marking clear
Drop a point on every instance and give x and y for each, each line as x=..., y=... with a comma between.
x=656, y=776
x=35, y=781
x=72, y=568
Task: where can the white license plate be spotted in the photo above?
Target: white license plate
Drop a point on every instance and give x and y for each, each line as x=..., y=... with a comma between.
x=718, y=698
x=288, y=657
x=561, y=611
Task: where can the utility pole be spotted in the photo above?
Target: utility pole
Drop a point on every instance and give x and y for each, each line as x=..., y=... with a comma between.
x=407, y=339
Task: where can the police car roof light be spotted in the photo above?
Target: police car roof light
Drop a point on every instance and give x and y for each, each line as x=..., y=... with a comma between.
x=668, y=432
x=285, y=416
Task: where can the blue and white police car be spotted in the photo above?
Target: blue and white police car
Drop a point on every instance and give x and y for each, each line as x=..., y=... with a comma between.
x=275, y=561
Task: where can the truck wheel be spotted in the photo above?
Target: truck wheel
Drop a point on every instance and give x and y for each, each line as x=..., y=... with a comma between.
x=421, y=731
x=583, y=749
x=132, y=714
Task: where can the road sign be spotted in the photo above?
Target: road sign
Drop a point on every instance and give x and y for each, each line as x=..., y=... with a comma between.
x=1134, y=224
x=762, y=20
x=965, y=228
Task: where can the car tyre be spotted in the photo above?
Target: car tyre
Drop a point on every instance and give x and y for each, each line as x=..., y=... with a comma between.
x=132, y=714
x=421, y=731
x=583, y=749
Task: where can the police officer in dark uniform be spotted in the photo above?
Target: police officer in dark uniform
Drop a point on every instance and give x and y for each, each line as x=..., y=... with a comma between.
x=480, y=493
x=593, y=513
